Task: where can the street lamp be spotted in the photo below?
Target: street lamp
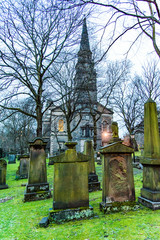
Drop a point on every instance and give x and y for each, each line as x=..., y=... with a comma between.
x=105, y=136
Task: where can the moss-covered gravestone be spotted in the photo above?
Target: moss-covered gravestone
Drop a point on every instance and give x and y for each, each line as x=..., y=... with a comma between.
x=3, y=171
x=117, y=177
x=150, y=193
x=70, y=196
x=23, y=169
x=11, y=158
x=37, y=187
x=93, y=183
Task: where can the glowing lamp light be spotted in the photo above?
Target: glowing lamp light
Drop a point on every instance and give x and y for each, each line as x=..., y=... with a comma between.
x=105, y=134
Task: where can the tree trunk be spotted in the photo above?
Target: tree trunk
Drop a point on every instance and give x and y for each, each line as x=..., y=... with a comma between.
x=69, y=131
x=95, y=132
x=39, y=125
x=39, y=120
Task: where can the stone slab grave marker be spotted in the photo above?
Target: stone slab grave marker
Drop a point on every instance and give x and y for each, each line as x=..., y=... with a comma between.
x=3, y=172
x=11, y=158
x=150, y=193
x=23, y=169
x=37, y=187
x=93, y=183
x=117, y=177
x=70, y=195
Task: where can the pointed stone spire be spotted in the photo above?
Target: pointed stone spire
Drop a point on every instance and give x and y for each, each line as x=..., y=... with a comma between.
x=84, y=45
x=85, y=78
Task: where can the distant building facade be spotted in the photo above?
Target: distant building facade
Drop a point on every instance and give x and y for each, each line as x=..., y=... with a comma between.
x=86, y=87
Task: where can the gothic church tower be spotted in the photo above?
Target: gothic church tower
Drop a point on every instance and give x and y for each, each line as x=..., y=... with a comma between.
x=85, y=78
x=85, y=84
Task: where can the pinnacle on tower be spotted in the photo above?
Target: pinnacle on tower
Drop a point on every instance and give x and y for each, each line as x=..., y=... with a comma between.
x=84, y=45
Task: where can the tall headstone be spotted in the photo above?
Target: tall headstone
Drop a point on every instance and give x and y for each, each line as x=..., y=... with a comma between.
x=117, y=177
x=23, y=168
x=37, y=187
x=3, y=171
x=93, y=183
x=150, y=193
x=71, y=197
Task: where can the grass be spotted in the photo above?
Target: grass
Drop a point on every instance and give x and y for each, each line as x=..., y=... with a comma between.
x=19, y=221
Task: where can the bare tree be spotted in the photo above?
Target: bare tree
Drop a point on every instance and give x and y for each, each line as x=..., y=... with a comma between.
x=148, y=85
x=109, y=82
x=33, y=35
x=132, y=15
x=64, y=85
x=128, y=105
x=16, y=132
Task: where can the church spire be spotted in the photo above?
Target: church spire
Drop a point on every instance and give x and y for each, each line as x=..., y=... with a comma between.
x=84, y=45
x=85, y=78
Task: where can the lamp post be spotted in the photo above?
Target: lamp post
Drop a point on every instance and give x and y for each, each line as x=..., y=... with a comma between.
x=104, y=137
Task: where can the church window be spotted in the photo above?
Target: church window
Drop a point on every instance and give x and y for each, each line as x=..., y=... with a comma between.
x=92, y=132
x=104, y=126
x=82, y=132
x=61, y=125
x=87, y=130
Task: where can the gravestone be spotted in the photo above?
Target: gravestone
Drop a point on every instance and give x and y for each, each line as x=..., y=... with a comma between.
x=142, y=150
x=37, y=187
x=93, y=183
x=71, y=197
x=18, y=157
x=150, y=193
x=3, y=172
x=50, y=160
x=23, y=169
x=117, y=177
x=11, y=158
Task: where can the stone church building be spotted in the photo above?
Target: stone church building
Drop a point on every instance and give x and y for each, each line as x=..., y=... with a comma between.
x=86, y=89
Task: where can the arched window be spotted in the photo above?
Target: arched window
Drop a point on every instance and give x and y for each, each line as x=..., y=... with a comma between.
x=61, y=125
x=105, y=125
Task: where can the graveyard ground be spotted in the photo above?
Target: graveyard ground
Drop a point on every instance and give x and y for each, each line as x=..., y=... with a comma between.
x=19, y=221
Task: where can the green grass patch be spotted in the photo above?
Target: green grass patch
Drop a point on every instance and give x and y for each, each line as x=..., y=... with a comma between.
x=19, y=221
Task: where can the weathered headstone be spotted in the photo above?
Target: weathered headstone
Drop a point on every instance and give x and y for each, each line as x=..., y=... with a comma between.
x=37, y=187
x=93, y=183
x=117, y=177
x=71, y=197
x=23, y=168
x=150, y=193
x=11, y=158
x=3, y=171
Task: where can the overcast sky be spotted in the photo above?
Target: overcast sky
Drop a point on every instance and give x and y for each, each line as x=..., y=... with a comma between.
x=141, y=52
